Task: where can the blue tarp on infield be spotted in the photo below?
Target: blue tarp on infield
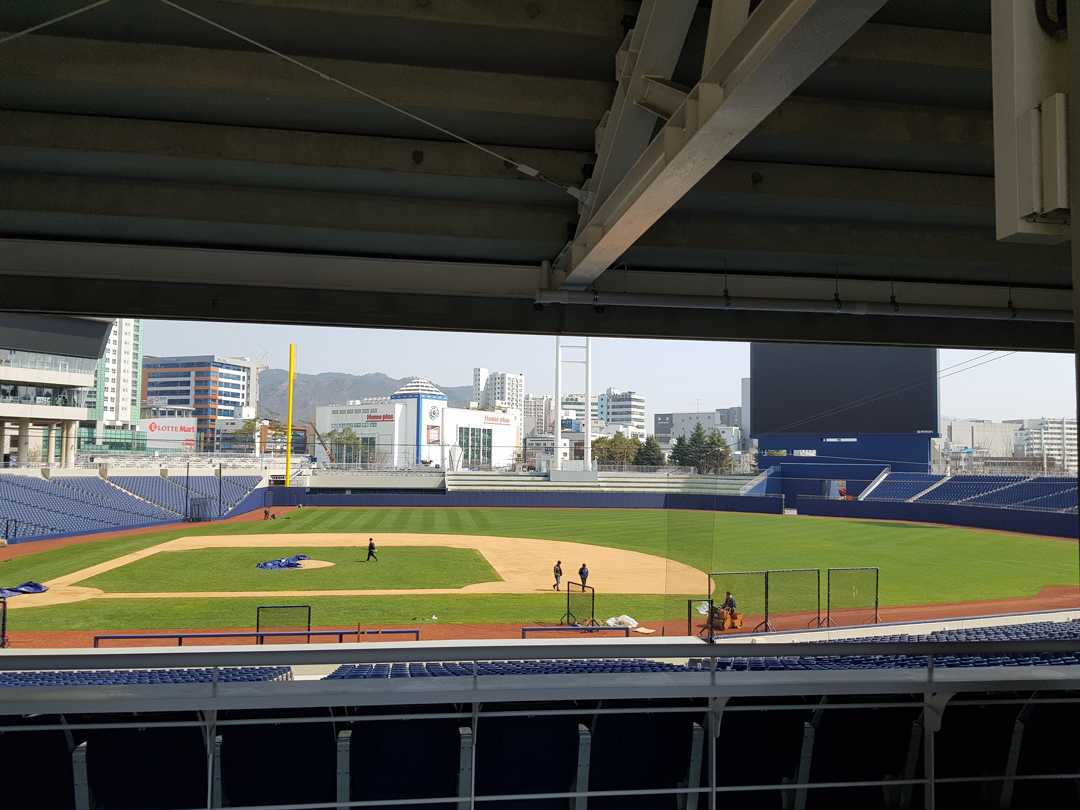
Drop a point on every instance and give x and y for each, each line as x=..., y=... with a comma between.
x=284, y=562
x=27, y=587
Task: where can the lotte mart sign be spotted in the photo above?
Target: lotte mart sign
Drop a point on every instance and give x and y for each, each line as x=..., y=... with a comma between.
x=169, y=433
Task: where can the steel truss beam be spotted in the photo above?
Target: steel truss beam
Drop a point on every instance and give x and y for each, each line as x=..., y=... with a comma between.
x=782, y=44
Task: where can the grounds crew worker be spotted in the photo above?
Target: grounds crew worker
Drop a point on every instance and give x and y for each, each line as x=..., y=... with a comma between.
x=583, y=573
x=371, y=550
x=557, y=570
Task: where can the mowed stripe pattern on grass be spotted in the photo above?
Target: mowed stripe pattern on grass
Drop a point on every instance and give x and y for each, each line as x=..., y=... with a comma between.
x=920, y=564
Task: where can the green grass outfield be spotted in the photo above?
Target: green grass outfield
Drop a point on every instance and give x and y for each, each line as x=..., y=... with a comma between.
x=920, y=564
x=233, y=569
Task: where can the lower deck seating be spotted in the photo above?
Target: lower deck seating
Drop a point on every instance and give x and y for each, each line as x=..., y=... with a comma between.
x=133, y=677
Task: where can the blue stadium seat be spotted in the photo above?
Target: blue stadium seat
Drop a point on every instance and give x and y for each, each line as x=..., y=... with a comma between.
x=125, y=677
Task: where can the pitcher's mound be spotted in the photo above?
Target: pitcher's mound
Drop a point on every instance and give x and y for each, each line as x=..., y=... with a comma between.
x=315, y=564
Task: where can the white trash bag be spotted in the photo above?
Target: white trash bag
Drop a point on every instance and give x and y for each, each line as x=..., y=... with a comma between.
x=622, y=621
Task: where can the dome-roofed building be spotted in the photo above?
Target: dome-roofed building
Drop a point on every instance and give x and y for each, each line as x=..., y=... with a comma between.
x=415, y=426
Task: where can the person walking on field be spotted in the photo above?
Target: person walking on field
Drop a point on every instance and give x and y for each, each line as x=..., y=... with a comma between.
x=371, y=550
x=583, y=574
x=558, y=574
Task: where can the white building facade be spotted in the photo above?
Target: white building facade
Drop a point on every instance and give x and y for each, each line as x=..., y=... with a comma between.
x=415, y=426
x=114, y=399
x=539, y=415
x=626, y=408
x=1051, y=439
x=500, y=389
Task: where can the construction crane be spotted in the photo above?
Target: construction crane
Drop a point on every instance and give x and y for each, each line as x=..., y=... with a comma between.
x=322, y=441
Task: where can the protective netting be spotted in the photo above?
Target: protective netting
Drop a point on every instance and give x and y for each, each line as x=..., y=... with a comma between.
x=580, y=604
x=852, y=596
x=794, y=598
x=283, y=618
x=747, y=588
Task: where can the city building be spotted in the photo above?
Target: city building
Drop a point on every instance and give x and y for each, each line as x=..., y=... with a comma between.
x=627, y=408
x=996, y=439
x=115, y=398
x=538, y=414
x=668, y=427
x=1051, y=441
x=258, y=437
x=416, y=426
x=215, y=387
x=744, y=413
x=573, y=408
x=500, y=389
x=46, y=368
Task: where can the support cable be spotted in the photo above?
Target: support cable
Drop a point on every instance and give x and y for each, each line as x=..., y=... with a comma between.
x=53, y=21
x=520, y=167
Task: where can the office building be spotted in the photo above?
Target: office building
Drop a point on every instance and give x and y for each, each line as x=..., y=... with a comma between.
x=670, y=426
x=215, y=387
x=617, y=407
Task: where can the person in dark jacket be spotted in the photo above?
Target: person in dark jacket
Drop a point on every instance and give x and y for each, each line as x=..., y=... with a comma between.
x=557, y=570
x=371, y=550
x=583, y=574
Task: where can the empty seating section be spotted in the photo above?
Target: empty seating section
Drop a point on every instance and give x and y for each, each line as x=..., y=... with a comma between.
x=32, y=507
x=900, y=486
x=155, y=489
x=1043, y=491
x=94, y=490
x=174, y=493
x=131, y=677
x=550, y=667
x=963, y=487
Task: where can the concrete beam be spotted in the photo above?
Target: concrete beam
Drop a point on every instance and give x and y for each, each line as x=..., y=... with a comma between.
x=596, y=18
x=875, y=135
x=23, y=133
x=781, y=45
x=174, y=82
x=421, y=311
x=885, y=250
x=779, y=189
x=39, y=201
x=926, y=47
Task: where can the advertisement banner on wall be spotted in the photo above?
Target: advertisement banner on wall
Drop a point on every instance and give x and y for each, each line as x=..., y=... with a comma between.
x=169, y=433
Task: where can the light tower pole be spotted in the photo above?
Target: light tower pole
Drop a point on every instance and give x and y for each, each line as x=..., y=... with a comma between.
x=557, y=426
x=588, y=404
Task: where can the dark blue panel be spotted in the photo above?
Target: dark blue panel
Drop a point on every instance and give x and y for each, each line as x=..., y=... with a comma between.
x=1054, y=524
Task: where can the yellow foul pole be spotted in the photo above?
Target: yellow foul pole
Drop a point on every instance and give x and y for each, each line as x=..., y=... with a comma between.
x=288, y=426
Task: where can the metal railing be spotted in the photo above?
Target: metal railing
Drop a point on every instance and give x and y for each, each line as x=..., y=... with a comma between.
x=914, y=701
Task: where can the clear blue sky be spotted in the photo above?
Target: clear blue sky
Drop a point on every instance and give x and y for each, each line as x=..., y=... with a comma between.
x=672, y=374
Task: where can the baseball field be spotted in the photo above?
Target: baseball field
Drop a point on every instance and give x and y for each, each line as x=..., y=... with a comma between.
x=470, y=568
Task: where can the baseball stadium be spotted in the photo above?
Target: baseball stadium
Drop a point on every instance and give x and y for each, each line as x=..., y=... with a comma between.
x=447, y=615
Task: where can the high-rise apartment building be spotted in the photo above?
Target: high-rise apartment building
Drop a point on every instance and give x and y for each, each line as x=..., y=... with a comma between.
x=215, y=386
x=500, y=389
x=1051, y=439
x=539, y=414
x=115, y=399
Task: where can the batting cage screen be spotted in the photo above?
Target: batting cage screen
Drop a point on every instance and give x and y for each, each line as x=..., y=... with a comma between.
x=202, y=508
x=793, y=598
x=747, y=588
x=580, y=605
x=283, y=618
x=698, y=618
x=852, y=596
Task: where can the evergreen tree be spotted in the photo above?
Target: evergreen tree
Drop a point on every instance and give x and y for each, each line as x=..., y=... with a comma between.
x=649, y=454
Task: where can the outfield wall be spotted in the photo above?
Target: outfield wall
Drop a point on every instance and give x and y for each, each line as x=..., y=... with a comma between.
x=293, y=496
x=1030, y=521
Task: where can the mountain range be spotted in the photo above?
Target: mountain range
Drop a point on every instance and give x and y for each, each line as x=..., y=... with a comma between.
x=311, y=390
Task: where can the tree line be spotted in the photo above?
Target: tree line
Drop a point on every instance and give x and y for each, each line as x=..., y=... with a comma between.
x=706, y=452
